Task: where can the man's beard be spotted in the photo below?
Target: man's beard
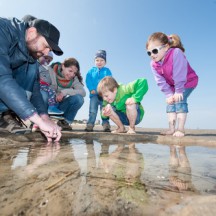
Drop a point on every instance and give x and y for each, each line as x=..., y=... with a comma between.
x=32, y=48
x=33, y=54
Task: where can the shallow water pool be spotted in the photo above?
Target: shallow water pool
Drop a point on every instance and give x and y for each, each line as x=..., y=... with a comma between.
x=88, y=177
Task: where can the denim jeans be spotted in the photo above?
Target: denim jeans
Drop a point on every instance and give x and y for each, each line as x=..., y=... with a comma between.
x=95, y=101
x=123, y=116
x=70, y=105
x=182, y=106
x=3, y=107
x=25, y=76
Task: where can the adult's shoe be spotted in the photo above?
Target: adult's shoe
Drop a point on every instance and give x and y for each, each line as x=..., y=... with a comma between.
x=10, y=122
x=64, y=125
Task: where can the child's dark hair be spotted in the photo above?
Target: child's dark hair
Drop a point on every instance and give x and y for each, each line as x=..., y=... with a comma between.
x=172, y=40
x=73, y=62
x=108, y=83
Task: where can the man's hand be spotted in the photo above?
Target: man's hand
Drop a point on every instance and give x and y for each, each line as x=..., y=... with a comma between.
x=49, y=128
x=55, y=131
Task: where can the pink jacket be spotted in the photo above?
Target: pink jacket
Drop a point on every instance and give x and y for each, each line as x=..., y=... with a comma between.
x=174, y=73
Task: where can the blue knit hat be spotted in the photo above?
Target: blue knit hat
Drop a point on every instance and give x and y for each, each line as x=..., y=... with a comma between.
x=101, y=54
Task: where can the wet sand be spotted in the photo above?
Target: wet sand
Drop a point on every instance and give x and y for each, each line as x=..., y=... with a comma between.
x=108, y=174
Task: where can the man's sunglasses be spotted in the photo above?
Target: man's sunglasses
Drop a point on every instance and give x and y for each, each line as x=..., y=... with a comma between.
x=155, y=50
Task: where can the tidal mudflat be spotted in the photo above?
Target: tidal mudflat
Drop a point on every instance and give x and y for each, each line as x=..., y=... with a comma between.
x=91, y=175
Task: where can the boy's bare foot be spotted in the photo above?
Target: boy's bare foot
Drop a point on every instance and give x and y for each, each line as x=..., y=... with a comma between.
x=179, y=133
x=131, y=131
x=167, y=132
x=119, y=130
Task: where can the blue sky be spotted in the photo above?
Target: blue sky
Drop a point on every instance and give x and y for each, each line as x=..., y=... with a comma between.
x=121, y=27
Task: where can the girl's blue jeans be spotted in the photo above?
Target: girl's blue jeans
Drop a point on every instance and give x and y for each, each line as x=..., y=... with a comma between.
x=95, y=102
x=182, y=106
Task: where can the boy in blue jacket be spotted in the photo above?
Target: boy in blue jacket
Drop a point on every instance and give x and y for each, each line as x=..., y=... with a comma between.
x=93, y=77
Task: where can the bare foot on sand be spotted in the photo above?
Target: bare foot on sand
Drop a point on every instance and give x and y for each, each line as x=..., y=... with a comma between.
x=167, y=132
x=119, y=130
x=179, y=133
x=131, y=131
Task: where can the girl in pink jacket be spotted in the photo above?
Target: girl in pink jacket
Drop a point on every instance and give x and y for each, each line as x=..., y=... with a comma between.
x=174, y=76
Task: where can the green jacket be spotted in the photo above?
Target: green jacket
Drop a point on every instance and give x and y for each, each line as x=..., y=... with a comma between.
x=136, y=89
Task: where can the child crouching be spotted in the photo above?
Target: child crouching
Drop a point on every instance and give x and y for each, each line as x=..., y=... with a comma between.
x=122, y=103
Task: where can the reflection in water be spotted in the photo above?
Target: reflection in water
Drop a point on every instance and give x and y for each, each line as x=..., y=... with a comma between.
x=179, y=169
x=88, y=177
x=108, y=172
x=80, y=153
x=122, y=161
x=125, y=162
x=45, y=154
x=168, y=168
x=21, y=158
x=122, y=169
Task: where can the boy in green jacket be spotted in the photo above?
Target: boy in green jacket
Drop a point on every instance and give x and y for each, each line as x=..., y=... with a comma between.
x=122, y=103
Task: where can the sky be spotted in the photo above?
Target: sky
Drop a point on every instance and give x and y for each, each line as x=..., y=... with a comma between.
x=122, y=27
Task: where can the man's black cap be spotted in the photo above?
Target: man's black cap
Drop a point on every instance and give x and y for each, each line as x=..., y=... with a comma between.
x=50, y=32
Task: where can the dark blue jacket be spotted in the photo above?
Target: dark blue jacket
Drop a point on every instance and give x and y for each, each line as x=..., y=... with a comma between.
x=18, y=71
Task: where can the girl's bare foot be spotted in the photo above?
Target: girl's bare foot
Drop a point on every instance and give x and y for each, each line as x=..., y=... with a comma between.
x=179, y=183
x=179, y=133
x=168, y=132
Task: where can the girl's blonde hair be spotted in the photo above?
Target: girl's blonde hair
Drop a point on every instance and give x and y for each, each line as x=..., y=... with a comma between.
x=172, y=40
x=107, y=84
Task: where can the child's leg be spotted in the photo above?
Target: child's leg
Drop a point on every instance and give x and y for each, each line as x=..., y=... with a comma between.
x=105, y=121
x=51, y=100
x=174, y=161
x=51, y=97
x=53, y=105
x=183, y=159
x=115, y=118
x=93, y=109
x=172, y=123
x=181, y=118
x=50, y=93
x=131, y=112
x=182, y=110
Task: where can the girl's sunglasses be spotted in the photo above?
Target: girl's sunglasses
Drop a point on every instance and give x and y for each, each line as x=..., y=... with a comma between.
x=155, y=50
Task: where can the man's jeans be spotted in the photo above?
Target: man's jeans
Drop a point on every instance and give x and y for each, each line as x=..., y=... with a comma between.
x=3, y=107
x=25, y=76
